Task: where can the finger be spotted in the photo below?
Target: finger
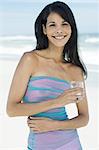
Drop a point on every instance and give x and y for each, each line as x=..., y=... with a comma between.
x=77, y=89
x=78, y=92
x=77, y=97
x=39, y=118
x=73, y=91
x=28, y=121
x=38, y=131
x=34, y=122
x=33, y=126
x=34, y=130
x=75, y=100
x=36, y=118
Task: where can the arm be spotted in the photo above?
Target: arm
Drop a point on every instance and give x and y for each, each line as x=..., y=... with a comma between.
x=41, y=124
x=77, y=122
x=15, y=107
x=82, y=107
x=24, y=70
x=38, y=124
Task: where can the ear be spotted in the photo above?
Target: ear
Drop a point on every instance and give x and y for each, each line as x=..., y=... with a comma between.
x=44, y=29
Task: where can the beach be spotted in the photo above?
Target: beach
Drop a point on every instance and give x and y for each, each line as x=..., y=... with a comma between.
x=14, y=131
x=17, y=36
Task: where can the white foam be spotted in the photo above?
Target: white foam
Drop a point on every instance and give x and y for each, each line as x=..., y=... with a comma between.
x=90, y=57
x=15, y=51
x=10, y=48
x=19, y=37
x=92, y=40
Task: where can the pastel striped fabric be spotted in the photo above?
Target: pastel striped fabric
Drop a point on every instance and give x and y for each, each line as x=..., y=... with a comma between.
x=43, y=88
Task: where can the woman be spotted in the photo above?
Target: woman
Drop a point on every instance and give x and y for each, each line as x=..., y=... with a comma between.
x=41, y=86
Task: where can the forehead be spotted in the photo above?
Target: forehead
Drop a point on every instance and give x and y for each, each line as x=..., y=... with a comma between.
x=54, y=17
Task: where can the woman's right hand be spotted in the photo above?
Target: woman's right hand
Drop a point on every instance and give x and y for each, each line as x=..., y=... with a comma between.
x=72, y=95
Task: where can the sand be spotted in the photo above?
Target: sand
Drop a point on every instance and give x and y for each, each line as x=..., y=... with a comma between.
x=14, y=131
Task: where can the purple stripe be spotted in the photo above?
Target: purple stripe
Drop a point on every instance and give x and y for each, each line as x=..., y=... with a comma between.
x=57, y=139
x=49, y=83
x=37, y=93
x=55, y=110
x=73, y=145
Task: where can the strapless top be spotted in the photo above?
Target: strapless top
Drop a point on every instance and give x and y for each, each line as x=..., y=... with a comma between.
x=43, y=88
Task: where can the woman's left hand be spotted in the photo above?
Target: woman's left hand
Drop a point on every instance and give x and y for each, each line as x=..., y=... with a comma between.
x=42, y=124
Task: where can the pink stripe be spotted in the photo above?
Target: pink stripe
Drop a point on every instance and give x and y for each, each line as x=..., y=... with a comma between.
x=54, y=110
x=73, y=145
x=38, y=93
x=49, y=83
x=58, y=140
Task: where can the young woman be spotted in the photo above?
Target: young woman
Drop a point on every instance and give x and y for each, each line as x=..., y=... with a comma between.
x=41, y=86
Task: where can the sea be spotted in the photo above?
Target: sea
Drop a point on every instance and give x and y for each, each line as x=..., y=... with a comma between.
x=12, y=47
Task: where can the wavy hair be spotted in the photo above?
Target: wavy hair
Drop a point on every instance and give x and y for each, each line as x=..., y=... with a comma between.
x=70, y=51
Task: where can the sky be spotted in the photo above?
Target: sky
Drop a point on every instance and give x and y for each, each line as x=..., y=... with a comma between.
x=17, y=17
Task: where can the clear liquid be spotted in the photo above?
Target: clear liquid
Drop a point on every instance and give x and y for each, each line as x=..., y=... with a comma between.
x=75, y=84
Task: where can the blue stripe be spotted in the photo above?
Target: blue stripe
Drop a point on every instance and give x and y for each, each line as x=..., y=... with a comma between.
x=29, y=148
x=41, y=97
x=54, y=115
x=50, y=78
x=44, y=89
x=26, y=99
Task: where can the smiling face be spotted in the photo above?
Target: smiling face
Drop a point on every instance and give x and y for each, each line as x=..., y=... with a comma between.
x=57, y=30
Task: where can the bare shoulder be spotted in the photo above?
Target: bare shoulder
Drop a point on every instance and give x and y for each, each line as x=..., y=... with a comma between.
x=76, y=72
x=29, y=57
x=28, y=62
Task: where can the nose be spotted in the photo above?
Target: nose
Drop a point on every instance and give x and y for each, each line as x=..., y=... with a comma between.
x=59, y=30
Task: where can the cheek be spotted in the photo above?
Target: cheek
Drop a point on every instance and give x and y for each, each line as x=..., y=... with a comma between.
x=70, y=30
x=50, y=31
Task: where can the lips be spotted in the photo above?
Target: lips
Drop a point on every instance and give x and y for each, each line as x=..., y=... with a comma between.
x=59, y=37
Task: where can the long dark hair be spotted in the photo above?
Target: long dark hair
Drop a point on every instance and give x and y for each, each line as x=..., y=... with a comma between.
x=70, y=51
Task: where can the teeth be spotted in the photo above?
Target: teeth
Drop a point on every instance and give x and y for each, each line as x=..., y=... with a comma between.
x=59, y=37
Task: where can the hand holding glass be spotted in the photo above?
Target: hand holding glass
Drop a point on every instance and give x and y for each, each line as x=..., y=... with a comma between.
x=80, y=84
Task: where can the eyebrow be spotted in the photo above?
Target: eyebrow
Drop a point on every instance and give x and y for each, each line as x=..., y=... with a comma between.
x=51, y=22
x=54, y=22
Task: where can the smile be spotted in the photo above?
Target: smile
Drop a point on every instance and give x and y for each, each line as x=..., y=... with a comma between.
x=59, y=37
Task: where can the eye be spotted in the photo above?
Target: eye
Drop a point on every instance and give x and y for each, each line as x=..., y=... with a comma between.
x=52, y=25
x=65, y=23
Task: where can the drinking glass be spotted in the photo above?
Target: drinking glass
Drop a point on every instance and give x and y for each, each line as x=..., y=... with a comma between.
x=80, y=84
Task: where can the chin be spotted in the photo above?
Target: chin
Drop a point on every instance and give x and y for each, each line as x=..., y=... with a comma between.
x=59, y=45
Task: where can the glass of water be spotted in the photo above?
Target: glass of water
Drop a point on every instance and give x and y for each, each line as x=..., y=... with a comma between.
x=75, y=84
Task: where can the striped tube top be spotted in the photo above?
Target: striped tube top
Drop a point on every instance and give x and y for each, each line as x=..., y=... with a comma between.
x=43, y=88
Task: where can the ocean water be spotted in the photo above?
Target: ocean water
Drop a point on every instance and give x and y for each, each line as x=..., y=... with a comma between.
x=14, y=46
x=11, y=49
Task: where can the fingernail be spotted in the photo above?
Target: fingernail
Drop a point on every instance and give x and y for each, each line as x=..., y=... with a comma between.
x=30, y=117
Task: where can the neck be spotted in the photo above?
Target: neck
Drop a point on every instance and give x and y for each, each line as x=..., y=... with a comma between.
x=55, y=53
